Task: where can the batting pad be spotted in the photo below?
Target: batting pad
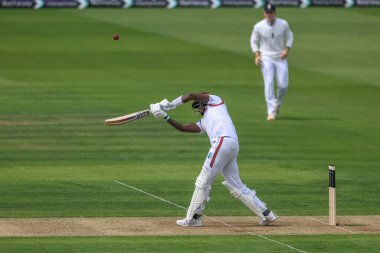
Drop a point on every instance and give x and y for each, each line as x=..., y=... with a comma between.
x=200, y=195
x=248, y=198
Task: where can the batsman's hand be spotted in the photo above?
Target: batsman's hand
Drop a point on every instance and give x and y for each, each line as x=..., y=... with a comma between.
x=166, y=105
x=157, y=112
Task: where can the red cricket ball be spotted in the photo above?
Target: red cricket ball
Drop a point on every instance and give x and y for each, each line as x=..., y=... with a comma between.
x=116, y=37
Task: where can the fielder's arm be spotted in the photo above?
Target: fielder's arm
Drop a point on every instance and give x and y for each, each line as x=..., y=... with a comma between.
x=285, y=53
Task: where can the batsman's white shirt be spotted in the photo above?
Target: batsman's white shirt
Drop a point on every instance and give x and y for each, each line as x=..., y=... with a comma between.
x=216, y=121
x=271, y=40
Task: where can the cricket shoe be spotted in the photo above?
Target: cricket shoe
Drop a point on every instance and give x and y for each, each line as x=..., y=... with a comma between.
x=271, y=117
x=277, y=110
x=190, y=223
x=268, y=219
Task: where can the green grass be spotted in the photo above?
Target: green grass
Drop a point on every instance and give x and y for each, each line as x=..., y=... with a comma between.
x=61, y=75
x=308, y=243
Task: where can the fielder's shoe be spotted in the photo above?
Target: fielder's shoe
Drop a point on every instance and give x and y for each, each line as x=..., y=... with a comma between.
x=190, y=223
x=277, y=110
x=270, y=218
x=271, y=117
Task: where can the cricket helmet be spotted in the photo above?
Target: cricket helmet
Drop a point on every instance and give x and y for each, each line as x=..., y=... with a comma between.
x=199, y=107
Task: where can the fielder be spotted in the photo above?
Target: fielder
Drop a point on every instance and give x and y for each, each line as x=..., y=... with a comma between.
x=222, y=157
x=271, y=41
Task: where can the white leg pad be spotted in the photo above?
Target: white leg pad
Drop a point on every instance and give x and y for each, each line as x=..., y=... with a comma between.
x=200, y=195
x=248, y=198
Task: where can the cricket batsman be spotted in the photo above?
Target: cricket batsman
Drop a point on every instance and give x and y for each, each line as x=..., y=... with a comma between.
x=221, y=158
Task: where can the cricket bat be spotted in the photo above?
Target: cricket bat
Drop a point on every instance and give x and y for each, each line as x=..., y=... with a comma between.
x=127, y=118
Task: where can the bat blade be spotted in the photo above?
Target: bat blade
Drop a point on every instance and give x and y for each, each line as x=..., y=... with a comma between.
x=127, y=118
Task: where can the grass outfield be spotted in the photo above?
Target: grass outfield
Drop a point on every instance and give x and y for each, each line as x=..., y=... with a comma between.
x=327, y=243
x=61, y=75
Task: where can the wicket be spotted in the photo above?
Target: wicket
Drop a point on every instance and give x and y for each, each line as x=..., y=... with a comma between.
x=332, y=196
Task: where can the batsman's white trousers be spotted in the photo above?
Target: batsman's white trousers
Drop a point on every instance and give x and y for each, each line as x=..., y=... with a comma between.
x=274, y=70
x=222, y=158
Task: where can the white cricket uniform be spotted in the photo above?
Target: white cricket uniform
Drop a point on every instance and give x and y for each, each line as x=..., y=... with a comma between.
x=270, y=41
x=222, y=156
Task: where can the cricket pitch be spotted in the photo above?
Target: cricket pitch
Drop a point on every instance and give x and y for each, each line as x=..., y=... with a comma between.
x=165, y=226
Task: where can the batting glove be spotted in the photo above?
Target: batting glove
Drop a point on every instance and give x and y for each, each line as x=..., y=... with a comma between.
x=166, y=105
x=157, y=112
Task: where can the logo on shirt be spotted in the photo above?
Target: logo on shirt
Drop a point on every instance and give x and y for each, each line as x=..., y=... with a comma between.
x=209, y=155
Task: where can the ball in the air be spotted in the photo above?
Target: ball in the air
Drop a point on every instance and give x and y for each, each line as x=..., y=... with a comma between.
x=116, y=37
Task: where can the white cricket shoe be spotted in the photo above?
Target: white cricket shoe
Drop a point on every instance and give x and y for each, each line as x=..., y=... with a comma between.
x=277, y=109
x=190, y=223
x=269, y=219
x=271, y=117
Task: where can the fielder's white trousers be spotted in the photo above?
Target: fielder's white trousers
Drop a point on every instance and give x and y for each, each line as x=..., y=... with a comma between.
x=222, y=158
x=274, y=70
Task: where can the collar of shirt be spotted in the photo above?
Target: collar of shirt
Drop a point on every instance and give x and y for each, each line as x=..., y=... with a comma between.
x=271, y=24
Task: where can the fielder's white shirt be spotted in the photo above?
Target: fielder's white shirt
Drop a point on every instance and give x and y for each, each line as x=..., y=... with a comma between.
x=271, y=40
x=216, y=121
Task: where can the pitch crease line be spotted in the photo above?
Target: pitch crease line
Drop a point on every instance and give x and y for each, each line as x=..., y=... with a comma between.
x=224, y=223
x=147, y=193
x=253, y=234
x=333, y=226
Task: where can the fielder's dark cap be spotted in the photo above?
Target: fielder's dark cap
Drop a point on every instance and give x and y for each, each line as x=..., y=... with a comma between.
x=269, y=8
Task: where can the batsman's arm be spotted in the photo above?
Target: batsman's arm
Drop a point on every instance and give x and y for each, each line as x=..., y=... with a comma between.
x=159, y=113
x=199, y=97
x=189, y=128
